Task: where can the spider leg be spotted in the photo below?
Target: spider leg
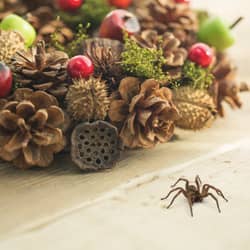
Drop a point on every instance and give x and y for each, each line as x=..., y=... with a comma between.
x=190, y=205
x=179, y=180
x=216, y=200
x=198, y=182
x=181, y=191
x=171, y=191
x=218, y=191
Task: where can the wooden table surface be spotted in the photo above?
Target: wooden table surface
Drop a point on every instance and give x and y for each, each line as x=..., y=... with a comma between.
x=61, y=208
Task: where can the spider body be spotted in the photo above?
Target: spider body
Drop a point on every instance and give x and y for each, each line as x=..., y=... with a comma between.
x=194, y=193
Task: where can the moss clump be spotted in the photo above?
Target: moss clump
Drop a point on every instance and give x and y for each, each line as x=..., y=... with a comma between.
x=142, y=62
x=92, y=11
x=196, y=76
x=71, y=48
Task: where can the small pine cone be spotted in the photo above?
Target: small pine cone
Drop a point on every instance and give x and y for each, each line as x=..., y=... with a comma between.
x=30, y=131
x=144, y=112
x=10, y=43
x=87, y=100
x=228, y=89
x=196, y=107
x=173, y=52
x=8, y=7
x=43, y=20
x=41, y=70
x=95, y=146
x=38, y=3
x=167, y=15
x=106, y=55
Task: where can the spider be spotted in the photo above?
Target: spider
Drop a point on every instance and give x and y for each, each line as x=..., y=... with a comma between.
x=195, y=193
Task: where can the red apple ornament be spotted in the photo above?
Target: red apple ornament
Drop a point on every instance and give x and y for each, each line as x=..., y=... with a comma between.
x=118, y=21
x=80, y=67
x=182, y=1
x=5, y=80
x=69, y=5
x=124, y=4
x=201, y=54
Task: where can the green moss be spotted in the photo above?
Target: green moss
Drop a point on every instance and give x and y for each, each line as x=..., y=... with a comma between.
x=196, y=76
x=92, y=11
x=71, y=48
x=202, y=16
x=142, y=62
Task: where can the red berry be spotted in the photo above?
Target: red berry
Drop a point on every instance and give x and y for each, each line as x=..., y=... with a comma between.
x=69, y=5
x=80, y=66
x=120, y=3
x=201, y=54
x=182, y=1
x=5, y=80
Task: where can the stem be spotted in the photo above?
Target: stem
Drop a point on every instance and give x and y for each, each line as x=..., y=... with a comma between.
x=232, y=26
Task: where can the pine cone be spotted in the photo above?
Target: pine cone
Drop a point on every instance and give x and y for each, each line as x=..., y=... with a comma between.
x=167, y=15
x=95, y=146
x=10, y=43
x=144, y=113
x=106, y=55
x=38, y=3
x=87, y=100
x=196, y=107
x=170, y=45
x=228, y=89
x=46, y=24
x=8, y=7
x=29, y=129
x=40, y=70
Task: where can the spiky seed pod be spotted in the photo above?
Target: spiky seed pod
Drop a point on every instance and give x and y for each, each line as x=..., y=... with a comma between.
x=87, y=100
x=196, y=107
x=10, y=43
x=95, y=146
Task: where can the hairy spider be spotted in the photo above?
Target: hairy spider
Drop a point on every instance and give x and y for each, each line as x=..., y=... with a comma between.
x=195, y=193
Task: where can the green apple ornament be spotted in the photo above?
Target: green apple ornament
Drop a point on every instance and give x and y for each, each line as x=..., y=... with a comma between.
x=217, y=33
x=17, y=23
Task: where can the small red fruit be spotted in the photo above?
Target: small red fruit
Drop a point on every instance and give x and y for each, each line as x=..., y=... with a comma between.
x=69, y=5
x=201, y=54
x=120, y=3
x=118, y=21
x=5, y=80
x=182, y=1
x=80, y=67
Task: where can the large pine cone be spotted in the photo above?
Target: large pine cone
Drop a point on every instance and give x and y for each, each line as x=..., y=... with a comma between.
x=144, y=113
x=228, y=88
x=106, y=56
x=174, y=54
x=167, y=15
x=45, y=23
x=196, y=107
x=29, y=129
x=40, y=70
